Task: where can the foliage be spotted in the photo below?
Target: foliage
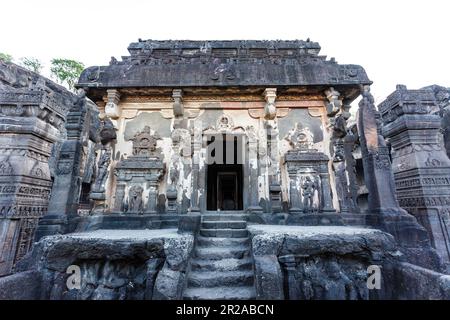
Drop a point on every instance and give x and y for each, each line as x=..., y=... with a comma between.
x=66, y=71
x=32, y=64
x=5, y=57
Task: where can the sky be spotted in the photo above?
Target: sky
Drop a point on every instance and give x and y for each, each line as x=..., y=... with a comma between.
x=396, y=41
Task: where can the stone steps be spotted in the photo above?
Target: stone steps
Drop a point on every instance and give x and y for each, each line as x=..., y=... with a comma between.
x=222, y=242
x=222, y=267
x=221, y=293
x=224, y=233
x=228, y=264
x=207, y=279
x=224, y=224
x=225, y=217
x=211, y=253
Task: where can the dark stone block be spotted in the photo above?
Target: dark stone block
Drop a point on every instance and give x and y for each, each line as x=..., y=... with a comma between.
x=189, y=223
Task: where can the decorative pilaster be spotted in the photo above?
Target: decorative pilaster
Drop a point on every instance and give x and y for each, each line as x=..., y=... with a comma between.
x=274, y=168
x=254, y=206
x=197, y=145
x=296, y=205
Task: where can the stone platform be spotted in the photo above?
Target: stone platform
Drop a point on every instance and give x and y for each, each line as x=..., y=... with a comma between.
x=113, y=264
x=128, y=221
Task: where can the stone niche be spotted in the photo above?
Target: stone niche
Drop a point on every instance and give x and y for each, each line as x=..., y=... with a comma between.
x=138, y=176
x=310, y=199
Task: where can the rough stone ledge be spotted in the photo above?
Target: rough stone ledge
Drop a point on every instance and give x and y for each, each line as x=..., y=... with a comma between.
x=115, y=264
x=308, y=241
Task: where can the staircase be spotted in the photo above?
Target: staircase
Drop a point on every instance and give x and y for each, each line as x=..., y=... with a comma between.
x=222, y=267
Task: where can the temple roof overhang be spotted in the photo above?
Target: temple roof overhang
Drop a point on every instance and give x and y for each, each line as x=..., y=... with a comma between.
x=224, y=64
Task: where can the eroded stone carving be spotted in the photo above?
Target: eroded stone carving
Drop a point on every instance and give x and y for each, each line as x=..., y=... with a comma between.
x=112, y=109
x=178, y=107
x=300, y=138
x=144, y=144
x=309, y=189
x=270, y=111
x=135, y=203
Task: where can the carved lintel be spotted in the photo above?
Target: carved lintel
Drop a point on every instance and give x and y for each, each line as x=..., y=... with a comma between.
x=334, y=103
x=112, y=109
x=178, y=107
x=270, y=111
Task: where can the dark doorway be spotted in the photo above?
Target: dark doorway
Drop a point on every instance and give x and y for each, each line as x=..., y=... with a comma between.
x=224, y=176
x=224, y=187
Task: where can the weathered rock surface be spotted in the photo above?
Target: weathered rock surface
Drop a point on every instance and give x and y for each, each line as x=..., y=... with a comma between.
x=318, y=262
x=113, y=264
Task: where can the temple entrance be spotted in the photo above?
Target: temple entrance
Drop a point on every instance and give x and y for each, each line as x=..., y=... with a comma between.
x=224, y=187
x=224, y=178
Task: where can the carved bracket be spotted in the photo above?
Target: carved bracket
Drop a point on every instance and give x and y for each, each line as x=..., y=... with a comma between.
x=178, y=107
x=335, y=104
x=112, y=105
x=270, y=111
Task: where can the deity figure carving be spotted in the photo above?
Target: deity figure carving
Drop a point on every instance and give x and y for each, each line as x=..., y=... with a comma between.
x=224, y=123
x=102, y=171
x=301, y=138
x=135, y=203
x=309, y=188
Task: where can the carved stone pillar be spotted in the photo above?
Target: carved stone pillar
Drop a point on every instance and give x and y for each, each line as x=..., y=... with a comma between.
x=153, y=192
x=326, y=189
x=350, y=166
x=384, y=210
x=197, y=145
x=289, y=266
x=296, y=204
x=119, y=197
x=30, y=122
x=420, y=164
x=274, y=168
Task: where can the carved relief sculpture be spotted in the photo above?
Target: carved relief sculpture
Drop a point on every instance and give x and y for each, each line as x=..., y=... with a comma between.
x=135, y=203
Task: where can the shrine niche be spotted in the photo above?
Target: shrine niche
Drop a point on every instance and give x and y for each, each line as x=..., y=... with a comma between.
x=139, y=173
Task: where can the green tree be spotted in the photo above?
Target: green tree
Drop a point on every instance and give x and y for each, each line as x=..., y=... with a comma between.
x=5, y=57
x=32, y=64
x=66, y=71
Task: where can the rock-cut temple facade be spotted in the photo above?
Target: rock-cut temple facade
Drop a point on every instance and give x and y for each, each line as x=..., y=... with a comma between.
x=222, y=170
